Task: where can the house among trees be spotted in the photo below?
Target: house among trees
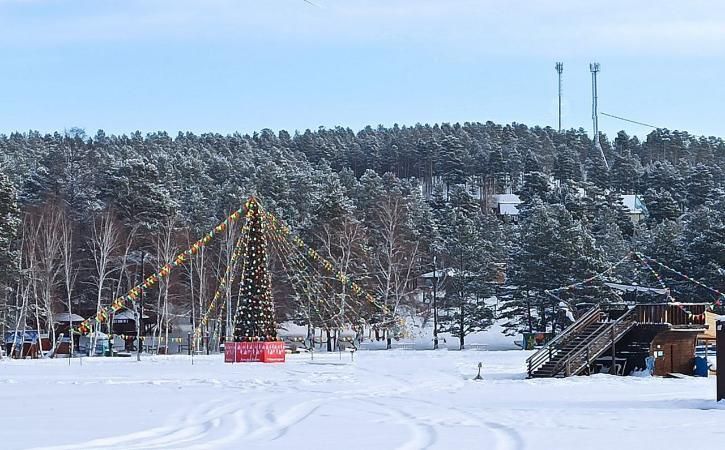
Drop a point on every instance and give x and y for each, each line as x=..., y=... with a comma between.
x=507, y=206
x=635, y=207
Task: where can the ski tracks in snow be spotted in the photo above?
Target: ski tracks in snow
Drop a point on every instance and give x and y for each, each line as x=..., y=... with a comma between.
x=220, y=423
x=250, y=421
x=423, y=432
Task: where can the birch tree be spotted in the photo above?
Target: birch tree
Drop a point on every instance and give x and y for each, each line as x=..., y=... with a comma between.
x=104, y=243
x=344, y=245
x=165, y=251
x=395, y=258
x=70, y=271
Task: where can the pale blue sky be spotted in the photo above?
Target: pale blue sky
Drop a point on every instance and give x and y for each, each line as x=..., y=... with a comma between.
x=225, y=65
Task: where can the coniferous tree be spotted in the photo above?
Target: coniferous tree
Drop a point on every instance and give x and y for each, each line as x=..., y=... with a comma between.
x=137, y=193
x=536, y=184
x=552, y=250
x=566, y=166
x=9, y=223
x=255, y=317
x=700, y=186
x=625, y=173
x=703, y=245
x=661, y=206
x=472, y=245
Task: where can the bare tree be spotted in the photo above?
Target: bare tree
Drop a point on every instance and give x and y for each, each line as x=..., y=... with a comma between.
x=104, y=243
x=394, y=257
x=45, y=251
x=197, y=271
x=343, y=244
x=70, y=271
x=165, y=251
x=22, y=293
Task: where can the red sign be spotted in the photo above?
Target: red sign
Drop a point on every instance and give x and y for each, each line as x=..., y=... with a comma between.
x=267, y=352
x=229, y=352
x=273, y=352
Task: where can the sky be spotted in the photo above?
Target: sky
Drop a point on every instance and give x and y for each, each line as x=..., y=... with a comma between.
x=226, y=65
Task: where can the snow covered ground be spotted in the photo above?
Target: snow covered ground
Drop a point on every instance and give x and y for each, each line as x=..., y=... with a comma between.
x=383, y=400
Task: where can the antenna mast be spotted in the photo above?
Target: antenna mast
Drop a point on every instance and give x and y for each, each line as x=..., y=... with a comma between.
x=594, y=69
x=559, y=69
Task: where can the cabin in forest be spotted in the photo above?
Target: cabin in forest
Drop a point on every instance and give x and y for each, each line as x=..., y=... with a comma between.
x=634, y=206
x=506, y=205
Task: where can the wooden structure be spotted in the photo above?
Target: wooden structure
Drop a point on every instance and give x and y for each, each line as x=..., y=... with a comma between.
x=720, y=332
x=620, y=338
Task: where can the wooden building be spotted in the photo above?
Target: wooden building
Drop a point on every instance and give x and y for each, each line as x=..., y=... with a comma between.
x=619, y=339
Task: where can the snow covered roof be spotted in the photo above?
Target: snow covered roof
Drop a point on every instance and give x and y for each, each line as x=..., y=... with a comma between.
x=506, y=204
x=127, y=315
x=633, y=203
x=97, y=335
x=65, y=317
x=507, y=198
x=632, y=288
x=438, y=273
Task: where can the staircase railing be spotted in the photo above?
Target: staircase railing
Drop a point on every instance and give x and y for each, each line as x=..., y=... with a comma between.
x=546, y=353
x=592, y=349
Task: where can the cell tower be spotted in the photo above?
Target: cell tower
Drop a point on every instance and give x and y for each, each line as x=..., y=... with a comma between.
x=559, y=69
x=594, y=69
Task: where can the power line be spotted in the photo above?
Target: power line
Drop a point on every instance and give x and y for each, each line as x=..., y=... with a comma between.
x=628, y=120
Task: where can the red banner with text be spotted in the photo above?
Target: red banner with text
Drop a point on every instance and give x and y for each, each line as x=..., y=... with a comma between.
x=268, y=352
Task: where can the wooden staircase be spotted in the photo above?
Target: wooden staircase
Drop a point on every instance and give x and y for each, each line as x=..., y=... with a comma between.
x=575, y=349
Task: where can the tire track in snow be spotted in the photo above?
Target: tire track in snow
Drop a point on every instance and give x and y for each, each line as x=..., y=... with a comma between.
x=277, y=425
x=192, y=428
x=506, y=437
x=422, y=434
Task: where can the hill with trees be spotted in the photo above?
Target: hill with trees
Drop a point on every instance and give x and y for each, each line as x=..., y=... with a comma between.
x=78, y=212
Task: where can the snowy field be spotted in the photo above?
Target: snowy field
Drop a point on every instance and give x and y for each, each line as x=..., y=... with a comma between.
x=382, y=400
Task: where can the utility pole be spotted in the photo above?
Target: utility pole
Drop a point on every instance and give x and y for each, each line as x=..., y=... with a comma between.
x=594, y=69
x=435, y=304
x=559, y=70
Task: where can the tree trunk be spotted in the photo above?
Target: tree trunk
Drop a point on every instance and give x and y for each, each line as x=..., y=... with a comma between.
x=462, y=332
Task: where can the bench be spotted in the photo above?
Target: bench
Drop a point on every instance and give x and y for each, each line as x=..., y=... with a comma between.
x=402, y=346
x=294, y=343
x=368, y=345
x=476, y=347
x=346, y=343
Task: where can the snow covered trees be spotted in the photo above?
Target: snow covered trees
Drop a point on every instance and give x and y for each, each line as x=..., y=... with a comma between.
x=471, y=247
x=551, y=250
x=341, y=189
x=9, y=224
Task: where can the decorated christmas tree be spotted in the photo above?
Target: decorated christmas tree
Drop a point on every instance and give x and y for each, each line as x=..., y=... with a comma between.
x=254, y=319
